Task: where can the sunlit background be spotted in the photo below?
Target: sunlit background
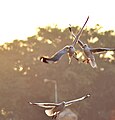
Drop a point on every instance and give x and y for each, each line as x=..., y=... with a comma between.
x=24, y=78
x=20, y=18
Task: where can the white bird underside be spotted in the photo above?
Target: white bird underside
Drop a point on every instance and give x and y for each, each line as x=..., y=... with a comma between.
x=49, y=112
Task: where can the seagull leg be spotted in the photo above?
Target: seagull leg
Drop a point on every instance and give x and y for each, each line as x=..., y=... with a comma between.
x=54, y=117
x=70, y=56
x=75, y=56
x=86, y=61
x=57, y=117
x=69, y=60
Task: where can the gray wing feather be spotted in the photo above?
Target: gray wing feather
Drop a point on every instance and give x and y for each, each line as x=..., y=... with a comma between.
x=59, y=54
x=81, y=43
x=101, y=50
x=54, y=58
x=45, y=105
x=77, y=100
x=79, y=33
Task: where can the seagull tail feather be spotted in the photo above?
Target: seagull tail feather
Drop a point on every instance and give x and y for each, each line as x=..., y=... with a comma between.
x=93, y=63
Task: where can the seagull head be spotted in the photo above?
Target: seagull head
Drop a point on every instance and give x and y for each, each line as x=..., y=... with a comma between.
x=63, y=103
x=85, y=45
x=70, y=48
x=67, y=47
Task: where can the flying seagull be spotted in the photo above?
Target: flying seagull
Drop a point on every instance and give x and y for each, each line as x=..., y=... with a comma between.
x=89, y=52
x=56, y=57
x=53, y=109
x=68, y=49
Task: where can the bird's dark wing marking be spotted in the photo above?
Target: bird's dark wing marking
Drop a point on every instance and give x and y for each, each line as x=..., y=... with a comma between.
x=101, y=50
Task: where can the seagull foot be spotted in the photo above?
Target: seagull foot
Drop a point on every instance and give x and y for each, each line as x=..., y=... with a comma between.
x=54, y=117
x=76, y=58
x=86, y=61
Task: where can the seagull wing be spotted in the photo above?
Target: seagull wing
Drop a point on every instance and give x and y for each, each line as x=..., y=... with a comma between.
x=45, y=105
x=76, y=100
x=79, y=33
x=101, y=50
x=56, y=57
x=81, y=43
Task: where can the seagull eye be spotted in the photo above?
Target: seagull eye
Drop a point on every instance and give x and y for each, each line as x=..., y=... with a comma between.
x=67, y=48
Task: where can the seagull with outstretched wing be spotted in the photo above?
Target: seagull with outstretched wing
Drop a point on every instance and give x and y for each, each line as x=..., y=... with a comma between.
x=69, y=49
x=56, y=57
x=53, y=109
x=89, y=52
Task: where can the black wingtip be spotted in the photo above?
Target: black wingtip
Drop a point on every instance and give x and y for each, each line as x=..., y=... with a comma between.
x=43, y=59
x=70, y=29
x=87, y=18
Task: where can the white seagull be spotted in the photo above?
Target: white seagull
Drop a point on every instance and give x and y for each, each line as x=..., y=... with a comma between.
x=56, y=57
x=69, y=49
x=53, y=109
x=89, y=52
